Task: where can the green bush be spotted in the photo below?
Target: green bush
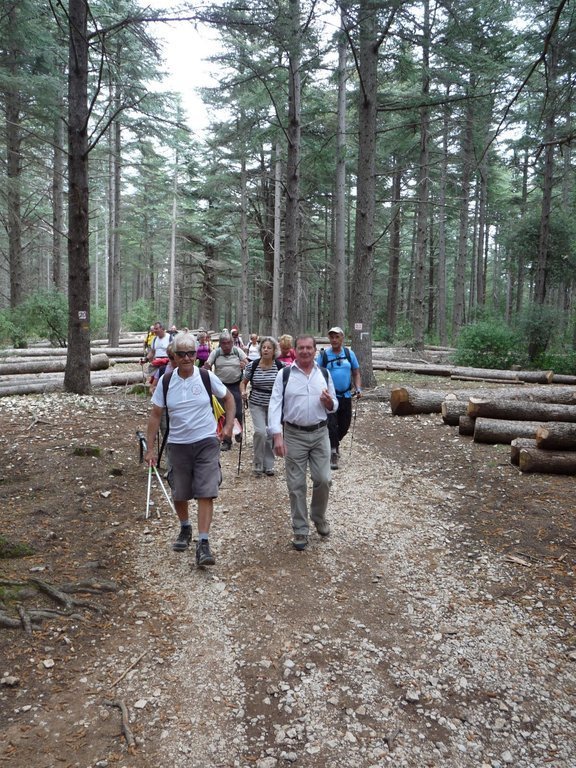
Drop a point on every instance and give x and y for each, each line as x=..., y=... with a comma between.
x=8, y=332
x=488, y=344
x=98, y=322
x=139, y=317
x=539, y=325
x=558, y=362
x=44, y=315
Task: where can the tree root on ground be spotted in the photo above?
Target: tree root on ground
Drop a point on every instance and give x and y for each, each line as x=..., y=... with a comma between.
x=30, y=619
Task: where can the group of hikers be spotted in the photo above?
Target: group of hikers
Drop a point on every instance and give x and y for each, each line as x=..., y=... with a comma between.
x=300, y=402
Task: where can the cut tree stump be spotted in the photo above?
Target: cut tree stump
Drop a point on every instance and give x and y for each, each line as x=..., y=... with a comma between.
x=452, y=410
x=520, y=410
x=547, y=462
x=503, y=430
x=557, y=436
x=517, y=445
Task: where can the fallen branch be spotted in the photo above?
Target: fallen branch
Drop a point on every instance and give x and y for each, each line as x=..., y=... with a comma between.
x=123, y=675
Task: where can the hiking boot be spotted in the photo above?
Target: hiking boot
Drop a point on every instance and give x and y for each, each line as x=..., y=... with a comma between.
x=269, y=472
x=226, y=445
x=300, y=541
x=323, y=528
x=203, y=554
x=184, y=538
x=334, y=460
x=238, y=437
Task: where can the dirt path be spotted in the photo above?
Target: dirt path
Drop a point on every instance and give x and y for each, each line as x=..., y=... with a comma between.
x=435, y=627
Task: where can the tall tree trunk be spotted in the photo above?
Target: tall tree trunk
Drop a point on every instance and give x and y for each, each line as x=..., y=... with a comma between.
x=13, y=107
x=394, y=251
x=114, y=253
x=291, y=289
x=173, y=228
x=244, y=252
x=77, y=375
x=441, y=304
x=418, y=318
x=276, y=281
x=338, y=310
x=58, y=202
x=459, y=315
x=361, y=310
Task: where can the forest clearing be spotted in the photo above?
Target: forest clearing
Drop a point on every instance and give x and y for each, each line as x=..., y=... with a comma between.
x=435, y=627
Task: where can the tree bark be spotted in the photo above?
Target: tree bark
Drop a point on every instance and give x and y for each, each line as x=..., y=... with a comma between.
x=466, y=425
x=503, y=431
x=97, y=363
x=520, y=410
x=547, y=462
x=77, y=376
x=406, y=401
x=517, y=445
x=452, y=410
x=557, y=436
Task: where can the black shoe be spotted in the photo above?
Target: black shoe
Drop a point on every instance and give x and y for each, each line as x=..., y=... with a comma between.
x=238, y=437
x=203, y=554
x=184, y=538
x=226, y=446
x=334, y=460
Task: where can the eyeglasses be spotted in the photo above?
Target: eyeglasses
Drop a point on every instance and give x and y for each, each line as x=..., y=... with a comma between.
x=186, y=353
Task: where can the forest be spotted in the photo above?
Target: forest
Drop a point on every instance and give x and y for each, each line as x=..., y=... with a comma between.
x=403, y=169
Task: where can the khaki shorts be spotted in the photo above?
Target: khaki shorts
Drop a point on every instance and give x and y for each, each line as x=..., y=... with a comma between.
x=195, y=469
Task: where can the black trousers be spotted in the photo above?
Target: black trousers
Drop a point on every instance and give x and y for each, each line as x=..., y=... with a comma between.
x=234, y=389
x=339, y=422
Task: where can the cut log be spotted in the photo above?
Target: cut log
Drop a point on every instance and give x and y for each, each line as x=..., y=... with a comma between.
x=57, y=385
x=557, y=436
x=406, y=401
x=52, y=352
x=97, y=363
x=547, y=462
x=466, y=425
x=563, y=378
x=481, y=374
x=452, y=409
x=503, y=431
x=516, y=446
x=520, y=410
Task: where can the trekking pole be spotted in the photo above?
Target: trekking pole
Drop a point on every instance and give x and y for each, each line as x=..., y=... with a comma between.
x=353, y=424
x=148, y=492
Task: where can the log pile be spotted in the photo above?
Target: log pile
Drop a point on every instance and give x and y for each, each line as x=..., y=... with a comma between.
x=539, y=422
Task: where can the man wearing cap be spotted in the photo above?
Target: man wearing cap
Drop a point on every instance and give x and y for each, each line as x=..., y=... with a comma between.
x=345, y=371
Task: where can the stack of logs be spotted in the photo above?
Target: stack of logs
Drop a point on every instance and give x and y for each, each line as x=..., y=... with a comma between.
x=539, y=422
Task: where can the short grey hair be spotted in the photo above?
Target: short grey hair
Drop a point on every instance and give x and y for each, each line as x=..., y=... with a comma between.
x=184, y=341
x=272, y=341
x=225, y=336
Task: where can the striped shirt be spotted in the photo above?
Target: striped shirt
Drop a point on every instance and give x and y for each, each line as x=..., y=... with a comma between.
x=262, y=382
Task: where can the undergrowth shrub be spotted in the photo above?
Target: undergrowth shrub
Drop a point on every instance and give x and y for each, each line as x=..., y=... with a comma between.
x=488, y=344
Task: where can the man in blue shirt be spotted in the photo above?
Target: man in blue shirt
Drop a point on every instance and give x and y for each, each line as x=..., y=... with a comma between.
x=345, y=371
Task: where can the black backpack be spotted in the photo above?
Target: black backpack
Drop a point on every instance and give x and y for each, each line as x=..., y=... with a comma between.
x=279, y=364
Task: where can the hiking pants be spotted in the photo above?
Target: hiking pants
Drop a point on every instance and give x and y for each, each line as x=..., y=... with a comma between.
x=263, y=452
x=303, y=449
x=339, y=422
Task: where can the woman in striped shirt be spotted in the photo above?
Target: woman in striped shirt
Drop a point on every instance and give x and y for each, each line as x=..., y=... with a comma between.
x=261, y=374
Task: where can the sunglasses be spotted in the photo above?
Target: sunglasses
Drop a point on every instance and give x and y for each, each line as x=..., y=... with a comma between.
x=186, y=353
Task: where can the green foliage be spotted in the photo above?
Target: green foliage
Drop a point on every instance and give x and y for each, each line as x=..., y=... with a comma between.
x=538, y=324
x=11, y=549
x=8, y=332
x=44, y=315
x=139, y=316
x=558, y=362
x=98, y=322
x=488, y=344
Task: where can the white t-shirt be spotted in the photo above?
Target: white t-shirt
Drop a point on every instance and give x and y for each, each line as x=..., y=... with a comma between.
x=160, y=346
x=189, y=407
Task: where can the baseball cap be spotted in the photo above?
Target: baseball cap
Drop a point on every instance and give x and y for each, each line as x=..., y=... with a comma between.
x=336, y=329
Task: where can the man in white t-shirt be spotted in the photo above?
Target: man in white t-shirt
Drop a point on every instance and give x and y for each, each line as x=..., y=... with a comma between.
x=193, y=444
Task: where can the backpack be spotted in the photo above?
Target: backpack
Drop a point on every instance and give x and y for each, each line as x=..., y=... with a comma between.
x=286, y=375
x=326, y=363
x=218, y=352
x=279, y=365
x=217, y=411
